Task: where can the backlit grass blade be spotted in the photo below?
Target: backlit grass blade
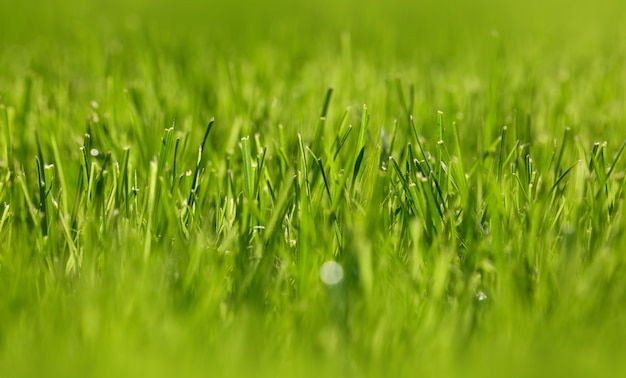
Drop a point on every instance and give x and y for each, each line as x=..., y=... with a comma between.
x=7, y=118
x=319, y=129
x=360, y=150
x=166, y=145
x=6, y=212
x=615, y=160
x=152, y=188
x=199, y=166
x=41, y=176
x=340, y=141
x=419, y=144
x=246, y=156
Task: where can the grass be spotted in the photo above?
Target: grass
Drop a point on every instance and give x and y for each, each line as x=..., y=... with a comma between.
x=174, y=178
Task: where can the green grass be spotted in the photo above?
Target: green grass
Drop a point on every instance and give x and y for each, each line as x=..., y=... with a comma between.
x=173, y=177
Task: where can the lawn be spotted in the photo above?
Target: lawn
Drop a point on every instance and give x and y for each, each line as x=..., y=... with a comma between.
x=333, y=188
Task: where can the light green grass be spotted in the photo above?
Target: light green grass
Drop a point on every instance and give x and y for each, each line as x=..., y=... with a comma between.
x=173, y=177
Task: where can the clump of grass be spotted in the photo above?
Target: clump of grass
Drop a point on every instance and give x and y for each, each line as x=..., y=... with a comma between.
x=470, y=213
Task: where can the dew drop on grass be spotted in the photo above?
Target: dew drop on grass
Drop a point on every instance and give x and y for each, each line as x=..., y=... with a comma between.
x=331, y=273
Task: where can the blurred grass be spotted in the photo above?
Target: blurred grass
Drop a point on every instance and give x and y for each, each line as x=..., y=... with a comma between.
x=126, y=70
x=404, y=25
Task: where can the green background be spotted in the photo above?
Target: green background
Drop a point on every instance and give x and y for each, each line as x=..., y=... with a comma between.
x=550, y=264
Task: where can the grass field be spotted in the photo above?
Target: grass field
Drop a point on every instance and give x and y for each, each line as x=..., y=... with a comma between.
x=337, y=188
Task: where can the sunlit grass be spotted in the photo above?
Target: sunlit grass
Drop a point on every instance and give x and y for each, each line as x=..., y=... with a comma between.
x=346, y=191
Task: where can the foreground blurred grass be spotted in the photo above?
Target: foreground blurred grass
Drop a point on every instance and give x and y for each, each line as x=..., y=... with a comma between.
x=549, y=264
